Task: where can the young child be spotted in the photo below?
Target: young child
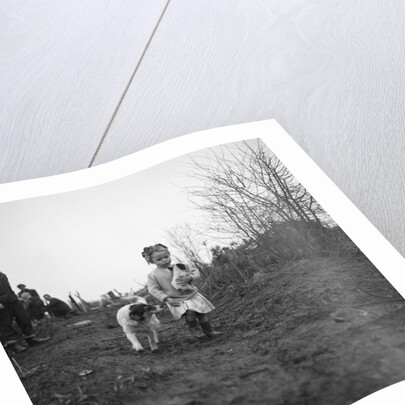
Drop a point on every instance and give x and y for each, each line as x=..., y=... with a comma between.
x=186, y=301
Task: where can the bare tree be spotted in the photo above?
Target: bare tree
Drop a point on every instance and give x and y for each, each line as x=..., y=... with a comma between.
x=192, y=246
x=186, y=240
x=247, y=191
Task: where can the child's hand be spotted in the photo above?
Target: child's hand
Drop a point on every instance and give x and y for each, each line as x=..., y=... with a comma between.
x=173, y=302
x=183, y=279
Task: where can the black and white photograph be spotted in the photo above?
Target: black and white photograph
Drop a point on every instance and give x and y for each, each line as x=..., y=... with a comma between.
x=211, y=278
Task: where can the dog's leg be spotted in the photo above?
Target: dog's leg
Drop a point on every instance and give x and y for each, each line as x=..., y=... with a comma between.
x=135, y=342
x=152, y=341
x=155, y=335
x=154, y=326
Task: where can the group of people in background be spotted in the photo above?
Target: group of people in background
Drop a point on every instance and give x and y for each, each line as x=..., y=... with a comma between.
x=24, y=310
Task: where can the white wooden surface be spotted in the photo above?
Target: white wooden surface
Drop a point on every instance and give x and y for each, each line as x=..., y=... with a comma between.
x=330, y=72
x=63, y=68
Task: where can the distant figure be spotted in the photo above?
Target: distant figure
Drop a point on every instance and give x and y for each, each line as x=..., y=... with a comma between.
x=23, y=288
x=12, y=309
x=74, y=303
x=112, y=296
x=34, y=305
x=104, y=301
x=85, y=306
x=57, y=307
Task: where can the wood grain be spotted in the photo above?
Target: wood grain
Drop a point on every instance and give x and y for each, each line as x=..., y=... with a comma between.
x=63, y=68
x=329, y=71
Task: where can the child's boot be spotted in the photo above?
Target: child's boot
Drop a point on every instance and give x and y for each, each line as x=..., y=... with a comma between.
x=191, y=321
x=208, y=331
x=195, y=330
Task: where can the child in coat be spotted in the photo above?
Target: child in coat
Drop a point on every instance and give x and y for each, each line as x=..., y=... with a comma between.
x=184, y=301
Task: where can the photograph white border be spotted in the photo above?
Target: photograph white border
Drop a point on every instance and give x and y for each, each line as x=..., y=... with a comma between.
x=372, y=243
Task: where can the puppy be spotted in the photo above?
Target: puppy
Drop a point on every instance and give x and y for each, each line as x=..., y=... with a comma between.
x=139, y=319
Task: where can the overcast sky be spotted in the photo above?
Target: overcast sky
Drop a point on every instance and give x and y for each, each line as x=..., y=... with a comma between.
x=91, y=240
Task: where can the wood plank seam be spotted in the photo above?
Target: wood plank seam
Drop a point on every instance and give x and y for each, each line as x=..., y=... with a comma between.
x=128, y=85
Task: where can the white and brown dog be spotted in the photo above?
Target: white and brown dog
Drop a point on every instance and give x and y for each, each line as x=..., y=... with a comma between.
x=139, y=319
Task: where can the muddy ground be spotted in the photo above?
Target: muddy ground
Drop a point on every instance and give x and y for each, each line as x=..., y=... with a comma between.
x=324, y=331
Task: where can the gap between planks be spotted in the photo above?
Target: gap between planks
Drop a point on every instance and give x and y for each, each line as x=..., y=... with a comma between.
x=128, y=85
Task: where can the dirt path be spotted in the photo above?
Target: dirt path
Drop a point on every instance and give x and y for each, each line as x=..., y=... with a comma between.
x=318, y=332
